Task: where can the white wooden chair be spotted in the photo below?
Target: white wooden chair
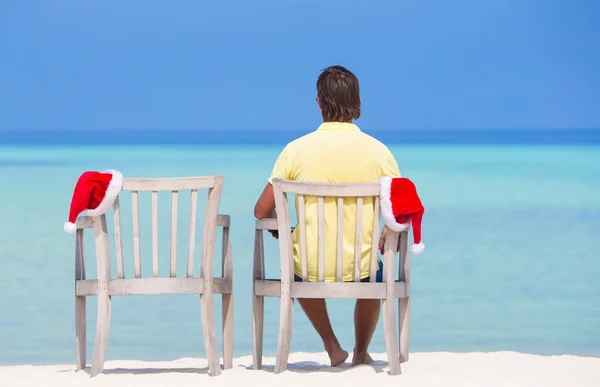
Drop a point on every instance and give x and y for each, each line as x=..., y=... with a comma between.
x=105, y=287
x=287, y=290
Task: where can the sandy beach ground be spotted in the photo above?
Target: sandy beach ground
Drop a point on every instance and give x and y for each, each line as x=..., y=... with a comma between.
x=423, y=370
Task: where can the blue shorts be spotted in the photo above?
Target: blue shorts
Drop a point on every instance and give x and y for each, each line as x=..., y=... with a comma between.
x=378, y=275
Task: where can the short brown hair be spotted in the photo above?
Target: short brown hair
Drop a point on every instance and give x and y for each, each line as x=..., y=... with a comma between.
x=338, y=92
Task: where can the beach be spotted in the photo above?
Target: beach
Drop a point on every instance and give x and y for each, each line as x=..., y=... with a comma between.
x=487, y=288
x=494, y=369
x=490, y=108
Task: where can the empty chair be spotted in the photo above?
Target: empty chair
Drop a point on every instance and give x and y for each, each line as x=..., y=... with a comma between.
x=104, y=287
x=287, y=289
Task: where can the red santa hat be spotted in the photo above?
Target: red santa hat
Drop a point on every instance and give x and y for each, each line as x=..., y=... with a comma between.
x=95, y=193
x=401, y=207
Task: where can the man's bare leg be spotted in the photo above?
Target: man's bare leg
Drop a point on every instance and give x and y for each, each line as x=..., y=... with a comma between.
x=366, y=315
x=316, y=311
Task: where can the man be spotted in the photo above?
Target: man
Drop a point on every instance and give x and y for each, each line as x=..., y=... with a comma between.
x=337, y=152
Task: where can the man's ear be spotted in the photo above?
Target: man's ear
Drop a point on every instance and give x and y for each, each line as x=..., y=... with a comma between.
x=319, y=103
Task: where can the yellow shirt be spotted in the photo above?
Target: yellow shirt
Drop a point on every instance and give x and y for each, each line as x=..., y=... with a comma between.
x=335, y=153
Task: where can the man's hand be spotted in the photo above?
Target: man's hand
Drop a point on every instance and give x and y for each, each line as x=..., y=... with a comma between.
x=275, y=233
x=382, y=240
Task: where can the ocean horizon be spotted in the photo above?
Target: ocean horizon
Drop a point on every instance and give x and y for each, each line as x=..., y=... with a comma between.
x=511, y=262
x=134, y=137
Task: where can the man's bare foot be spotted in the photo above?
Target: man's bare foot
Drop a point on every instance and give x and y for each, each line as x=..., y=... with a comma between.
x=361, y=358
x=338, y=357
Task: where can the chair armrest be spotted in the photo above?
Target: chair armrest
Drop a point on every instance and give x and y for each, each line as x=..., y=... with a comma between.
x=223, y=220
x=266, y=224
x=84, y=222
x=269, y=224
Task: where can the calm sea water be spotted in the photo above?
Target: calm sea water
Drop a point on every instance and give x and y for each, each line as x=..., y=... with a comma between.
x=512, y=259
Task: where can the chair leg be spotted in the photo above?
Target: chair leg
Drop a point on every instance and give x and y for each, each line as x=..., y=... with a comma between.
x=80, y=331
x=286, y=318
x=102, y=332
x=208, y=330
x=258, y=302
x=227, y=301
x=258, y=315
x=404, y=326
x=227, y=314
x=391, y=336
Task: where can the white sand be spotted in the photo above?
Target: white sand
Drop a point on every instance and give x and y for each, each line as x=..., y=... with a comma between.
x=423, y=369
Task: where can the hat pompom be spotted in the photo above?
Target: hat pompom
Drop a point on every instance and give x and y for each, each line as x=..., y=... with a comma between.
x=69, y=227
x=417, y=248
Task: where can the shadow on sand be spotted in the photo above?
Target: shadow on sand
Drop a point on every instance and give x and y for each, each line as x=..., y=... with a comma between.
x=311, y=366
x=146, y=371
x=299, y=367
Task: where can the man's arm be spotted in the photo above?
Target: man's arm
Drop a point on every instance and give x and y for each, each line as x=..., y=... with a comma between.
x=265, y=205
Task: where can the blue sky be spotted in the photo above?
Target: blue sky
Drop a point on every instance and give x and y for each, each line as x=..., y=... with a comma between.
x=72, y=64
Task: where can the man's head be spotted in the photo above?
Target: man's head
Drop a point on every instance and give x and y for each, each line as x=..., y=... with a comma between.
x=338, y=95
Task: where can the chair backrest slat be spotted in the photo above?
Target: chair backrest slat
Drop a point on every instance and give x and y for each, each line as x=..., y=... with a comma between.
x=358, y=239
x=137, y=259
x=170, y=184
x=285, y=244
x=327, y=189
x=321, y=237
x=302, y=230
x=390, y=257
x=302, y=190
x=155, y=234
x=404, y=267
x=102, y=252
x=192, y=238
x=374, y=240
x=174, y=209
x=79, y=256
x=118, y=238
x=340, y=239
x=209, y=231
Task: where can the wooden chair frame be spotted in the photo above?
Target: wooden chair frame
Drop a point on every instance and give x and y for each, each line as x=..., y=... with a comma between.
x=287, y=289
x=105, y=286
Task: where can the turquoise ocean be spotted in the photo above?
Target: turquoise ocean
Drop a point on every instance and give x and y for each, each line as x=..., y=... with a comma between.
x=512, y=259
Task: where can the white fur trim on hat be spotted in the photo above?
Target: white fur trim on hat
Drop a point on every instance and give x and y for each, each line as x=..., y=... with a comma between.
x=112, y=191
x=385, y=202
x=417, y=248
x=69, y=227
